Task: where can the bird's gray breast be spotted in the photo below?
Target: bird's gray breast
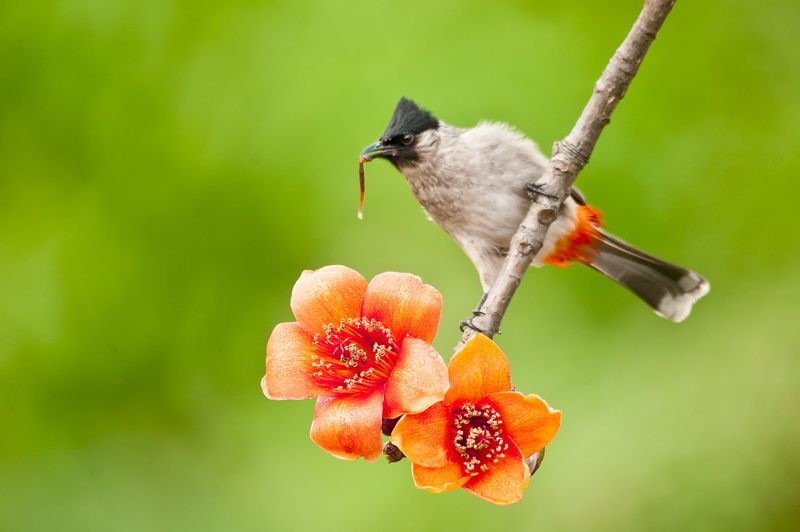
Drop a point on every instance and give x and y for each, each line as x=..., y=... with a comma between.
x=469, y=193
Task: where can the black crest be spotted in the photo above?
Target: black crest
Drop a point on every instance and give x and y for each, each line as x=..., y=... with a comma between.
x=408, y=117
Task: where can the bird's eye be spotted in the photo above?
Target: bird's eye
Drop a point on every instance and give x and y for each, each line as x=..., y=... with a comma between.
x=408, y=139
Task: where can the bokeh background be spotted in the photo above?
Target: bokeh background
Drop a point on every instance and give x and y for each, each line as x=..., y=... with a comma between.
x=168, y=168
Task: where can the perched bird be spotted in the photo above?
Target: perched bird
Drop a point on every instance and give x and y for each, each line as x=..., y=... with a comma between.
x=477, y=184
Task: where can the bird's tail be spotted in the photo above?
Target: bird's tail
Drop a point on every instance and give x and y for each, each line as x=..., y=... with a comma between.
x=671, y=290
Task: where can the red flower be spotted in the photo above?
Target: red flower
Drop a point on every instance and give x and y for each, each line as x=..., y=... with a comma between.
x=363, y=349
x=479, y=436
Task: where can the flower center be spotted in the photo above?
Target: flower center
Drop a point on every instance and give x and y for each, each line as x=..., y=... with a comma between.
x=356, y=356
x=477, y=436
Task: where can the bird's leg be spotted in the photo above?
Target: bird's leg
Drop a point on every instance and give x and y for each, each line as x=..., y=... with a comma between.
x=477, y=312
x=536, y=188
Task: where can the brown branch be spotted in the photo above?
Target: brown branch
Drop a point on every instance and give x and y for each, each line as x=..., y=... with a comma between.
x=569, y=157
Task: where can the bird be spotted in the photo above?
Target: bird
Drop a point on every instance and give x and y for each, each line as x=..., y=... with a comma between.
x=478, y=183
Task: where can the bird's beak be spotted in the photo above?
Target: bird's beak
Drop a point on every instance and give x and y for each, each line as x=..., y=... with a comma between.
x=373, y=151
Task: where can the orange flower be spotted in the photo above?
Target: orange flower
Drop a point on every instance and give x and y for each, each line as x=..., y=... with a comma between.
x=479, y=436
x=363, y=349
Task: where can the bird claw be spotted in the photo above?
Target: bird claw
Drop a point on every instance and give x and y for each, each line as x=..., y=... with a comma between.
x=468, y=323
x=534, y=189
x=475, y=313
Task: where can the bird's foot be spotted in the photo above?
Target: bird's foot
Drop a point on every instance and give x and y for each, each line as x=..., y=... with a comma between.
x=534, y=189
x=468, y=323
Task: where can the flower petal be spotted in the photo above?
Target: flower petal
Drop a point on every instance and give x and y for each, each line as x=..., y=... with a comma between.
x=289, y=364
x=504, y=481
x=527, y=419
x=404, y=304
x=424, y=437
x=478, y=369
x=418, y=380
x=439, y=479
x=349, y=426
x=327, y=295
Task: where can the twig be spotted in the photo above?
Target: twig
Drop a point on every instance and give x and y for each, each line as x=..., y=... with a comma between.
x=569, y=157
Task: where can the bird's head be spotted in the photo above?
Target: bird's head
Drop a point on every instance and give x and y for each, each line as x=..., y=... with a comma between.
x=398, y=143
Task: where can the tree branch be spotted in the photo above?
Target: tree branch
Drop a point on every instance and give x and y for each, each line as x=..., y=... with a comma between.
x=569, y=157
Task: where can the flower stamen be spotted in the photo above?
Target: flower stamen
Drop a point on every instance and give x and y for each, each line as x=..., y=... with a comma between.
x=355, y=356
x=477, y=436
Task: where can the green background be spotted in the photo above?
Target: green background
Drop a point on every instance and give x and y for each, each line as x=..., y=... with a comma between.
x=168, y=168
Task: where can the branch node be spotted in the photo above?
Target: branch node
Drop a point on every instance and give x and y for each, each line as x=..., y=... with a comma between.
x=524, y=248
x=571, y=152
x=546, y=216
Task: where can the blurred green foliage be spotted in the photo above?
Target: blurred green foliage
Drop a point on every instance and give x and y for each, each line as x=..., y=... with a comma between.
x=168, y=168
